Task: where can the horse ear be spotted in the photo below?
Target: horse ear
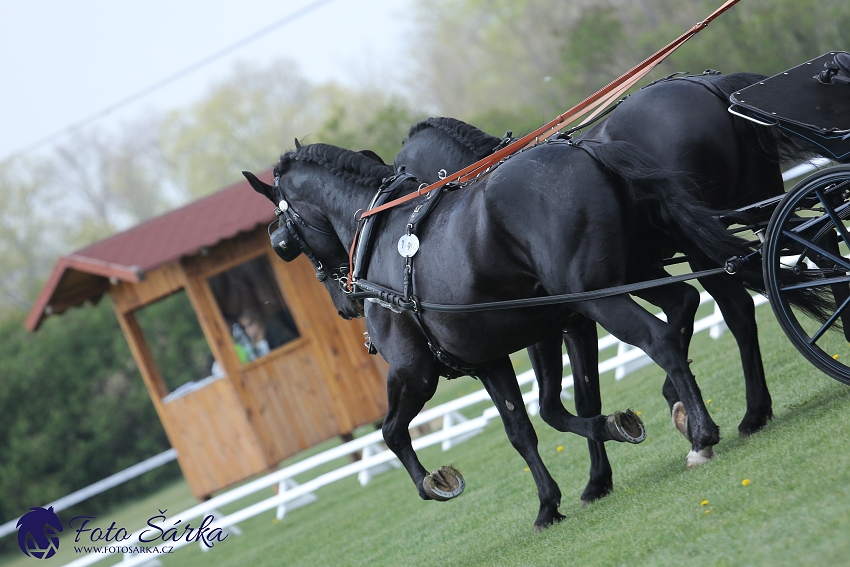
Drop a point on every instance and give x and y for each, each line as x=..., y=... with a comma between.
x=372, y=155
x=297, y=144
x=259, y=186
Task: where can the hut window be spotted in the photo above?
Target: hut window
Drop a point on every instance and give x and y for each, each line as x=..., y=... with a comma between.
x=175, y=340
x=253, y=307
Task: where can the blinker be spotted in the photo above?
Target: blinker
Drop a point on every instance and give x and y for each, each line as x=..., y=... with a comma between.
x=282, y=242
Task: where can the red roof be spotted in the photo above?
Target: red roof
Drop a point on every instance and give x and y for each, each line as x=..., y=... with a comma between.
x=126, y=256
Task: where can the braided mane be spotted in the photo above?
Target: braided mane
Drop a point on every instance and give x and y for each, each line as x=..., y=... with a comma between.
x=345, y=164
x=478, y=142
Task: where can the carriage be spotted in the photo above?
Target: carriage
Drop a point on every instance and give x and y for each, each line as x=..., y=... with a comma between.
x=807, y=230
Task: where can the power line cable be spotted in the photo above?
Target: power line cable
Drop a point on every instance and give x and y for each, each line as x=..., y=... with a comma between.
x=296, y=15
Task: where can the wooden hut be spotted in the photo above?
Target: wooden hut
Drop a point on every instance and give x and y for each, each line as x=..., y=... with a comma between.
x=313, y=379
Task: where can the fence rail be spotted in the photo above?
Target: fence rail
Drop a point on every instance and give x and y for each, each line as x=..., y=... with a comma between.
x=101, y=486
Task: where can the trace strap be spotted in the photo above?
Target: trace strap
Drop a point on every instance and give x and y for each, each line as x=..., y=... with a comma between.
x=375, y=291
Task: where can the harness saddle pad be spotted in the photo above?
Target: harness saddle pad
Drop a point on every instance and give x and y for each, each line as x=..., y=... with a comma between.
x=803, y=106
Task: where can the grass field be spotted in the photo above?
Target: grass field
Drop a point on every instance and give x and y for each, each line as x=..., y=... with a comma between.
x=794, y=511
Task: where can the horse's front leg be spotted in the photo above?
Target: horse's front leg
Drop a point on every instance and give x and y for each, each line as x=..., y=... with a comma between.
x=408, y=388
x=500, y=382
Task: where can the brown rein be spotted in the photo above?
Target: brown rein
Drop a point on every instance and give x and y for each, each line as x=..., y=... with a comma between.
x=594, y=104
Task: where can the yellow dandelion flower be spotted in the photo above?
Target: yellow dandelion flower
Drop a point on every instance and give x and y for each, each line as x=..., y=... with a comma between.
x=638, y=413
x=704, y=503
x=835, y=357
x=560, y=448
x=708, y=401
x=527, y=469
x=707, y=511
x=745, y=482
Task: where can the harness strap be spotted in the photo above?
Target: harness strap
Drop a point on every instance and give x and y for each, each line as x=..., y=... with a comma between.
x=600, y=98
x=372, y=290
x=358, y=253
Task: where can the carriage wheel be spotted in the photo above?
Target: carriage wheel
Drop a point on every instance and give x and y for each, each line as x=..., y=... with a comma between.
x=809, y=235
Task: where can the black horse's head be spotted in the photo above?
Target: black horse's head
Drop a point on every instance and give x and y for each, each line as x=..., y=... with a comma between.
x=304, y=225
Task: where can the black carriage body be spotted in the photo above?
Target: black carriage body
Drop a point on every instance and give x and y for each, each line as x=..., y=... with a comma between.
x=798, y=103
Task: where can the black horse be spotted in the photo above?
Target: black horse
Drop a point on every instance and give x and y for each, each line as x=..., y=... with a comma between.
x=553, y=219
x=684, y=126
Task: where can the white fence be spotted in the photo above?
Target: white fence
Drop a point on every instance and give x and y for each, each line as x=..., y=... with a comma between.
x=376, y=458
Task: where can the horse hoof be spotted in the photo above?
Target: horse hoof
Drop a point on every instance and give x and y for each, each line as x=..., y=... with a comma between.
x=558, y=517
x=444, y=484
x=697, y=458
x=593, y=492
x=625, y=427
x=680, y=420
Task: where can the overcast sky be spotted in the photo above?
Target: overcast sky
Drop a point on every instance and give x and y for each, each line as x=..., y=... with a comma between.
x=62, y=61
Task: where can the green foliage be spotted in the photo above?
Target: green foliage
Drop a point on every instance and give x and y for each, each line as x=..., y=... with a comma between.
x=28, y=236
x=535, y=58
x=175, y=339
x=73, y=410
x=378, y=124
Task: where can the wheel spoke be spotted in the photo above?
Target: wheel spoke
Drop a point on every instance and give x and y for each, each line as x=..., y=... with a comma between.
x=805, y=242
x=817, y=220
x=835, y=218
x=816, y=283
x=829, y=321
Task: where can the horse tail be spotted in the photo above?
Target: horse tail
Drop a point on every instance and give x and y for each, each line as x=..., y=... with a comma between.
x=682, y=218
x=767, y=142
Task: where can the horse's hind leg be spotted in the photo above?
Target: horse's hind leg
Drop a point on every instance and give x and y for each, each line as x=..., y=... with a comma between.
x=630, y=323
x=679, y=302
x=500, y=382
x=582, y=346
x=738, y=310
x=581, y=342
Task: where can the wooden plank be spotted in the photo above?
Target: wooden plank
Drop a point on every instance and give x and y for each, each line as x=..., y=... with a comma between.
x=158, y=283
x=356, y=383
x=228, y=254
x=142, y=354
x=294, y=407
x=212, y=324
x=215, y=444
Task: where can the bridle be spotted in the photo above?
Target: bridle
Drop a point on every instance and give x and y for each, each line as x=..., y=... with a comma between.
x=288, y=244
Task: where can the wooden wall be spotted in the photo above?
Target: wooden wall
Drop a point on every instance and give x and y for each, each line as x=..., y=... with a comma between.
x=309, y=390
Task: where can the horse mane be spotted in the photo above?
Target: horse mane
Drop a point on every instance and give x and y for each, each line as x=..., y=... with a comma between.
x=480, y=143
x=345, y=164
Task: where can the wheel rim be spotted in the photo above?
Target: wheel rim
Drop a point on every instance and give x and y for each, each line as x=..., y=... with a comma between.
x=801, y=241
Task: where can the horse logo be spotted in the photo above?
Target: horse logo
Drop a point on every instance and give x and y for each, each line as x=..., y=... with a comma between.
x=38, y=533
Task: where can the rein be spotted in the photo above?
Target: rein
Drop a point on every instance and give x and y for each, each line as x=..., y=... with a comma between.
x=592, y=104
x=375, y=291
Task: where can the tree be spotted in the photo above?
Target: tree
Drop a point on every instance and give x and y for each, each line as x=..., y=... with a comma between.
x=31, y=230
x=529, y=60
x=369, y=120
x=245, y=123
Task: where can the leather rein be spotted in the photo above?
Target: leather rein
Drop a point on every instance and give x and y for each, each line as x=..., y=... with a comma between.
x=591, y=107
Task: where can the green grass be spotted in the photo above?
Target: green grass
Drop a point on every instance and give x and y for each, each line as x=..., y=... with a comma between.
x=795, y=511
